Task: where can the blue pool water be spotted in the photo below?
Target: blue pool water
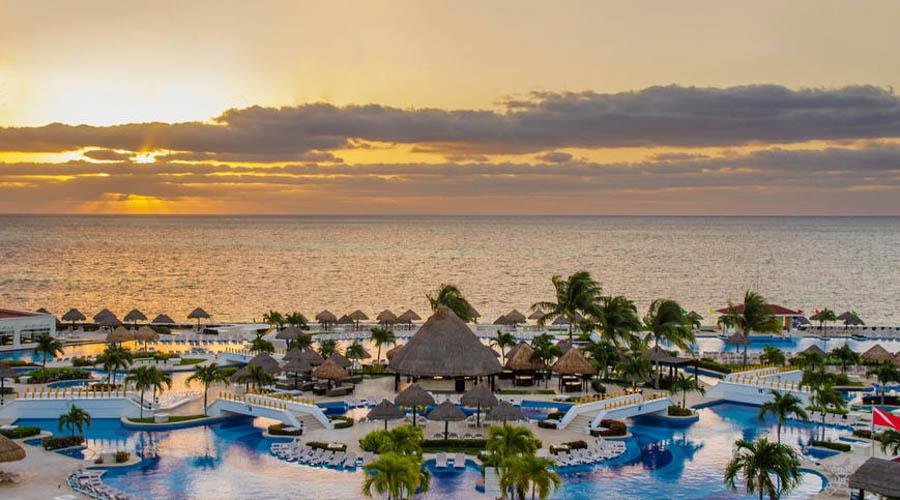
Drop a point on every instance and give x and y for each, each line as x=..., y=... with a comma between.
x=232, y=459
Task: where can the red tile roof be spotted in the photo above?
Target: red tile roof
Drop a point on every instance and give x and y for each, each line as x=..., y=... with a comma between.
x=9, y=313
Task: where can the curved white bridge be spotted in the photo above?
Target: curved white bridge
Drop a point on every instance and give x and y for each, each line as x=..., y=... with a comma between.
x=290, y=411
x=587, y=415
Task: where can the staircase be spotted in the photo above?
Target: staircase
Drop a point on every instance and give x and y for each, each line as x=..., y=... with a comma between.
x=308, y=421
x=581, y=422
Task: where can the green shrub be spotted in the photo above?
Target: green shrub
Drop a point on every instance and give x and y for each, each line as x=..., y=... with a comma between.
x=831, y=445
x=597, y=386
x=122, y=457
x=143, y=354
x=614, y=428
x=709, y=364
x=278, y=430
x=478, y=444
x=15, y=363
x=677, y=411
x=162, y=330
x=190, y=361
x=324, y=446
x=375, y=441
x=341, y=422
x=20, y=432
x=546, y=424
x=56, y=443
x=80, y=361
x=44, y=375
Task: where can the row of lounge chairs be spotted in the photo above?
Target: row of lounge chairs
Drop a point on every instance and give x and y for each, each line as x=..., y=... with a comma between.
x=600, y=450
x=458, y=459
x=453, y=435
x=89, y=483
x=848, y=420
x=294, y=451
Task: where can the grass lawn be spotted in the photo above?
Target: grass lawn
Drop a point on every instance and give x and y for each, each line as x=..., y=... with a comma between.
x=172, y=419
x=190, y=361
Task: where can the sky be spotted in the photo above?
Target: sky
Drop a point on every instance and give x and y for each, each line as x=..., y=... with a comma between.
x=429, y=107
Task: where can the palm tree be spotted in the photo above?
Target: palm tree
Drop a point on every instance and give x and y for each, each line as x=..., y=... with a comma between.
x=524, y=472
x=297, y=319
x=756, y=316
x=503, y=341
x=578, y=295
x=355, y=351
x=382, y=336
x=667, y=320
x=604, y=354
x=846, y=356
x=808, y=360
x=885, y=373
x=114, y=358
x=620, y=320
x=142, y=379
x=449, y=295
x=76, y=418
x=260, y=345
x=257, y=376
x=161, y=382
x=302, y=342
x=824, y=316
x=684, y=385
x=48, y=346
x=327, y=347
x=634, y=367
x=773, y=356
x=890, y=440
x=825, y=399
x=765, y=466
x=545, y=351
x=782, y=406
x=397, y=476
x=207, y=375
x=405, y=440
x=274, y=318
x=504, y=441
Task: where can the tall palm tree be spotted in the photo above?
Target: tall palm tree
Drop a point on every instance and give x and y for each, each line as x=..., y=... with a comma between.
x=504, y=441
x=115, y=358
x=382, y=336
x=405, y=440
x=824, y=316
x=578, y=295
x=396, y=476
x=503, y=341
x=808, y=360
x=890, y=440
x=449, y=295
x=207, y=375
x=545, y=351
x=885, y=373
x=683, y=385
x=48, y=346
x=327, y=347
x=756, y=316
x=257, y=376
x=297, y=319
x=769, y=469
x=604, y=354
x=142, y=379
x=620, y=320
x=667, y=320
x=634, y=367
x=846, y=356
x=528, y=472
x=355, y=351
x=261, y=345
x=773, y=356
x=302, y=342
x=782, y=405
x=75, y=418
x=826, y=399
x=274, y=318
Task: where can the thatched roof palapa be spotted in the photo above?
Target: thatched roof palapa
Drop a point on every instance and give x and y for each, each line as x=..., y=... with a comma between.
x=523, y=359
x=480, y=395
x=297, y=366
x=198, y=313
x=10, y=451
x=290, y=333
x=814, y=349
x=135, y=315
x=444, y=346
x=326, y=316
x=877, y=353
x=504, y=321
x=505, y=412
x=385, y=410
x=104, y=313
x=109, y=320
x=516, y=317
x=162, y=319
x=850, y=319
x=267, y=362
x=358, y=315
x=737, y=339
x=393, y=351
x=329, y=370
x=536, y=315
x=73, y=315
x=146, y=334
x=340, y=359
x=119, y=335
x=409, y=316
x=877, y=476
x=386, y=316
x=236, y=376
x=345, y=320
x=414, y=395
x=512, y=350
x=573, y=362
x=447, y=412
x=310, y=356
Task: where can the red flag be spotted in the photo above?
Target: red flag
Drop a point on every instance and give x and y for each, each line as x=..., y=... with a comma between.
x=885, y=419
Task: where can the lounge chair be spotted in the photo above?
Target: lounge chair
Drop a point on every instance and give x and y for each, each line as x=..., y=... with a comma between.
x=350, y=461
x=459, y=461
x=441, y=461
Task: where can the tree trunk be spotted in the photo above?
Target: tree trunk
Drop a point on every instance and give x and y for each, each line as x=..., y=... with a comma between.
x=205, y=393
x=779, y=431
x=142, y=403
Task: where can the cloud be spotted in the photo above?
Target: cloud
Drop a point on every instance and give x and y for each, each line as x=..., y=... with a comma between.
x=107, y=154
x=555, y=157
x=672, y=116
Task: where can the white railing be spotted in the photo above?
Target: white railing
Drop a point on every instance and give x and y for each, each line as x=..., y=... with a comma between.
x=286, y=404
x=606, y=402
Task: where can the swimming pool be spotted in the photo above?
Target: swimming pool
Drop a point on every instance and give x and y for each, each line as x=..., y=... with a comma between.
x=232, y=459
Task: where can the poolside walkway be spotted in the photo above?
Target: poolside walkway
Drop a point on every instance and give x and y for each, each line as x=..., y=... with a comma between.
x=43, y=475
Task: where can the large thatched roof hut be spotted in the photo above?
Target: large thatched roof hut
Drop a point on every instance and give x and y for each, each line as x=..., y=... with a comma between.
x=877, y=353
x=523, y=364
x=267, y=362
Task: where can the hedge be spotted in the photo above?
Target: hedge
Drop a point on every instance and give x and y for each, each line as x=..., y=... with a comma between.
x=677, y=411
x=570, y=445
x=56, y=443
x=614, y=428
x=324, y=446
x=341, y=422
x=454, y=443
x=831, y=445
x=278, y=430
x=44, y=375
x=20, y=432
x=546, y=424
x=709, y=364
x=122, y=456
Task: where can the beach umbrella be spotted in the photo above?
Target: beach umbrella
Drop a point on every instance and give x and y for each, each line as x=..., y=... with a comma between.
x=385, y=410
x=739, y=339
x=267, y=362
x=408, y=317
x=877, y=354
x=307, y=355
x=330, y=371
x=446, y=412
x=505, y=412
x=5, y=373
x=102, y=314
x=850, y=319
x=326, y=317
x=119, y=335
x=516, y=317
x=134, y=316
x=341, y=360
x=297, y=366
x=504, y=321
x=345, y=320
x=479, y=397
x=73, y=315
x=814, y=349
x=42, y=310
x=290, y=334
x=162, y=319
x=10, y=451
x=197, y=314
x=146, y=334
x=414, y=396
x=109, y=320
x=536, y=315
x=385, y=317
x=358, y=316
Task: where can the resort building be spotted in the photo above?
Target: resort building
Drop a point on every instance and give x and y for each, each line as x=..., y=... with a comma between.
x=789, y=318
x=18, y=327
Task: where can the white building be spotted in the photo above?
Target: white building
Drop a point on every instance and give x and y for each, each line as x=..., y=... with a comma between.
x=24, y=326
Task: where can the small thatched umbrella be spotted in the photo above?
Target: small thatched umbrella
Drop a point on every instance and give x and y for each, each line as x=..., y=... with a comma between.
x=145, y=334
x=10, y=451
x=290, y=334
x=414, y=396
x=267, y=362
x=814, y=349
x=536, y=315
x=504, y=321
x=385, y=410
x=325, y=317
x=102, y=314
x=358, y=316
x=197, y=314
x=850, y=319
x=42, y=310
x=447, y=412
x=134, y=316
x=162, y=319
x=5, y=373
x=73, y=315
x=738, y=339
x=309, y=355
x=109, y=320
x=512, y=350
x=877, y=354
x=564, y=345
x=505, y=412
x=341, y=360
x=573, y=362
x=479, y=397
x=386, y=317
x=297, y=366
x=516, y=317
x=408, y=317
x=345, y=320
x=330, y=371
x=119, y=335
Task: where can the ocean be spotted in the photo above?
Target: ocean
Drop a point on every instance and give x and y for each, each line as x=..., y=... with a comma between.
x=237, y=268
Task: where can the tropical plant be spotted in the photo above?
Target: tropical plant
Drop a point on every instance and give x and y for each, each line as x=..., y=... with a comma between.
x=604, y=354
x=297, y=319
x=75, y=418
x=327, y=347
x=620, y=320
x=682, y=384
x=824, y=316
x=274, y=318
x=207, y=375
x=825, y=399
x=885, y=374
x=816, y=376
x=256, y=375
x=890, y=440
x=634, y=367
x=382, y=336
x=450, y=295
x=808, y=360
x=782, y=405
x=48, y=346
x=527, y=472
x=302, y=342
x=113, y=358
x=846, y=356
x=503, y=341
x=504, y=441
x=260, y=345
x=142, y=378
x=667, y=320
x=355, y=351
x=755, y=316
x=545, y=351
x=769, y=469
x=773, y=356
x=577, y=296
x=396, y=476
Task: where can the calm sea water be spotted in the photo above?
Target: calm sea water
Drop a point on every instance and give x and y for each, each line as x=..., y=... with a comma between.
x=238, y=267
